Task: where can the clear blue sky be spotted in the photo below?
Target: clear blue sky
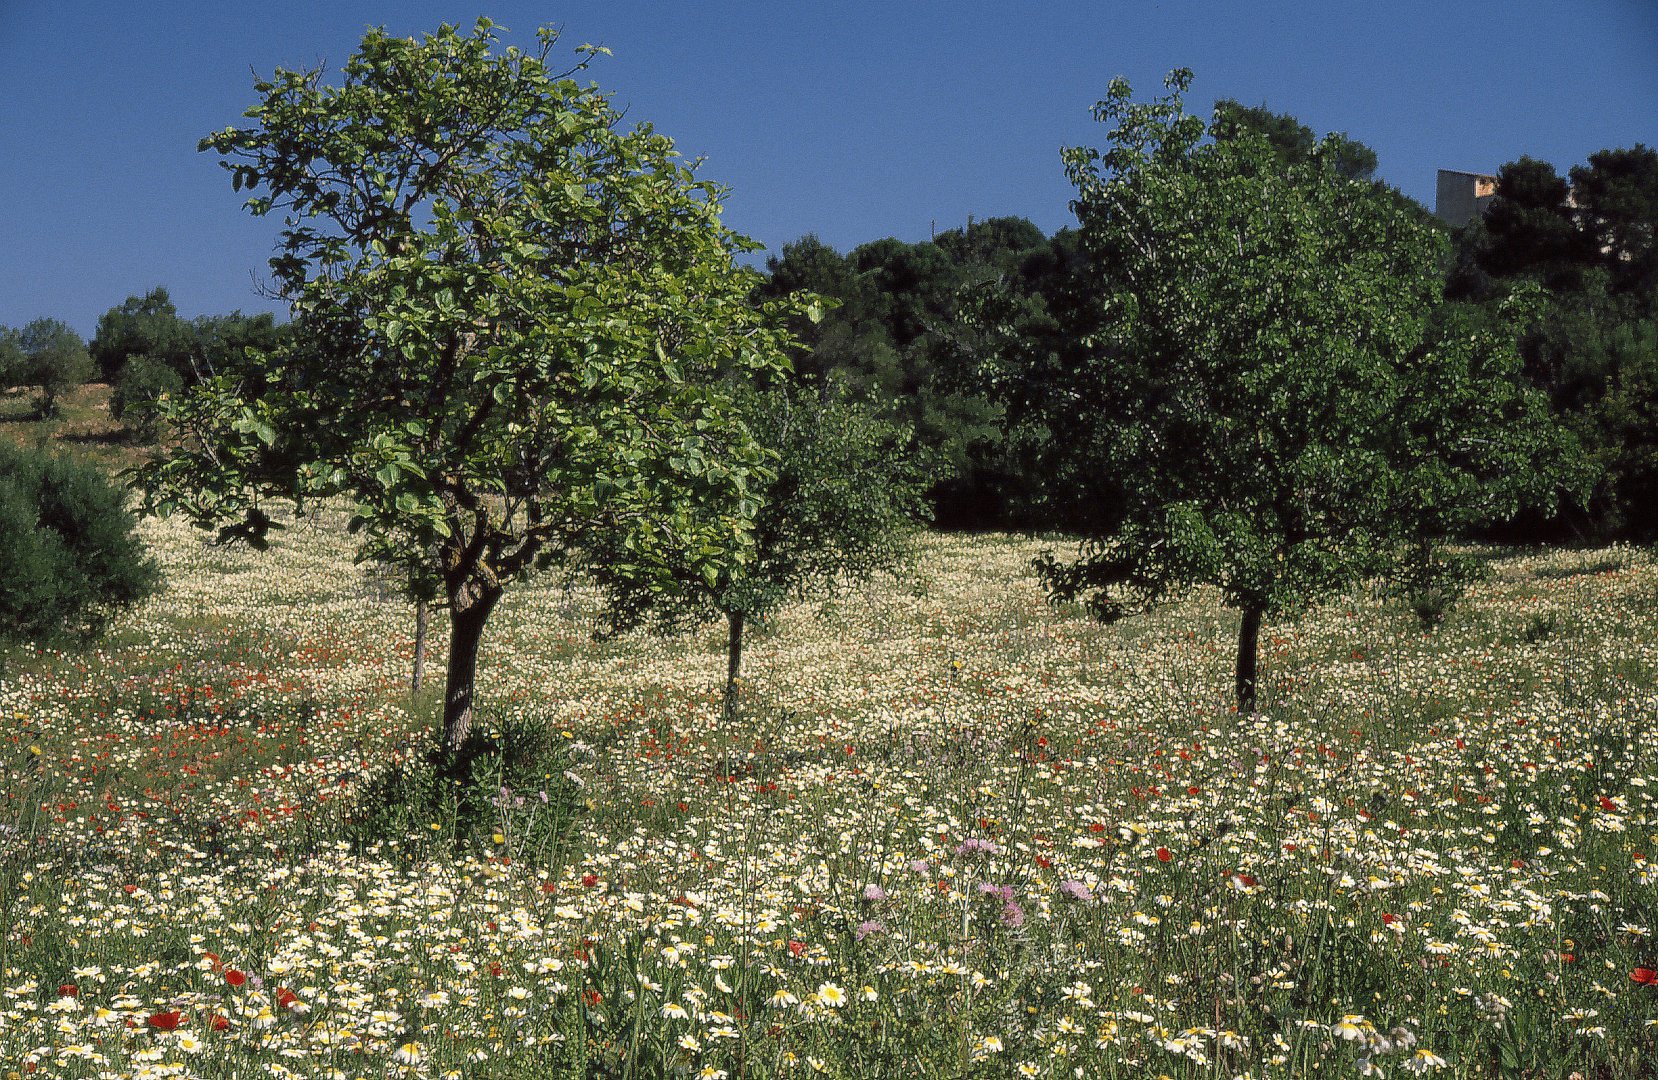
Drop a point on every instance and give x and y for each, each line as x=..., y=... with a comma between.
x=850, y=120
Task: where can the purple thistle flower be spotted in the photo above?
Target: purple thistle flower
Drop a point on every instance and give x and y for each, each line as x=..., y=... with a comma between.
x=975, y=846
x=920, y=866
x=874, y=893
x=1076, y=890
x=1013, y=916
x=867, y=928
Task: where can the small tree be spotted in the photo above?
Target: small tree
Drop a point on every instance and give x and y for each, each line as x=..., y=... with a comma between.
x=55, y=360
x=846, y=492
x=508, y=314
x=1251, y=395
x=72, y=557
x=141, y=390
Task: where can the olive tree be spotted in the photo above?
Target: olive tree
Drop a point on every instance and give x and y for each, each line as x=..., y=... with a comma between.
x=508, y=309
x=1250, y=393
x=54, y=359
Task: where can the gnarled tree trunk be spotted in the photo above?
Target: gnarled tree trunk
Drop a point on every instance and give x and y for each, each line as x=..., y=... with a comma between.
x=469, y=608
x=1249, y=640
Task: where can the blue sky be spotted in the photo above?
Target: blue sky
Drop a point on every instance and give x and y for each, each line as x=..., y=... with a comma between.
x=850, y=120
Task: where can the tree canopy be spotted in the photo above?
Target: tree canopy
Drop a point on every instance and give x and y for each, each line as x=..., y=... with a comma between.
x=894, y=341
x=844, y=493
x=510, y=312
x=53, y=358
x=1587, y=241
x=1249, y=392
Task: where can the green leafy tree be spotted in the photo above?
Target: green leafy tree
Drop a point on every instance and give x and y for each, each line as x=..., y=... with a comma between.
x=147, y=325
x=1292, y=141
x=509, y=310
x=54, y=359
x=1616, y=195
x=141, y=388
x=1529, y=231
x=72, y=559
x=846, y=492
x=894, y=339
x=1251, y=394
x=1588, y=243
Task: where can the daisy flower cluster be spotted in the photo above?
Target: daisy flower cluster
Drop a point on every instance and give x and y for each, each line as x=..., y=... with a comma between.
x=955, y=831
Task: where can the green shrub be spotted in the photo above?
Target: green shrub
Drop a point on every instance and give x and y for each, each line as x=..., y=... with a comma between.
x=72, y=558
x=507, y=789
x=139, y=388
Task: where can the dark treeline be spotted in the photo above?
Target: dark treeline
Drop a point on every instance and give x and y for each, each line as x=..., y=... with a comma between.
x=894, y=338
x=1586, y=240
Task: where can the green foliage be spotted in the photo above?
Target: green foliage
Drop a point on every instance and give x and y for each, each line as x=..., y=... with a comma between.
x=72, y=558
x=846, y=490
x=895, y=340
x=141, y=390
x=510, y=312
x=13, y=364
x=54, y=358
x=1252, y=389
x=147, y=325
x=1594, y=347
x=1292, y=141
x=507, y=787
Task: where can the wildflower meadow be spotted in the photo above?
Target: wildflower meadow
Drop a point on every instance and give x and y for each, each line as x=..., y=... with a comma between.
x=954, y=831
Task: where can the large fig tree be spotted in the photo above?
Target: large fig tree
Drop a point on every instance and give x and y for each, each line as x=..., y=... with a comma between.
x=509, y=308
x=1245, y=389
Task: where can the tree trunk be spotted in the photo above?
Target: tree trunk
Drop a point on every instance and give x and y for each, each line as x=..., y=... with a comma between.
x=469, y=609
x=733, y=662
x=423, y=616
x=1249, y=639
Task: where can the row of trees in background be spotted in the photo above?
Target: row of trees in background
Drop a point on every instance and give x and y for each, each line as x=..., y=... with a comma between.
x=1589, y=241
x=143, y=348
x=45, y=354
x=521, y=338
x=1589, y=341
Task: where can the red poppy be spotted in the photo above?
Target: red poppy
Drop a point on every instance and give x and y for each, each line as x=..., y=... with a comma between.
x=220, y=1023
x=593, y=997
x=166, y=1021
x=235, y=978
x=286, y=998
x=1164, y=854
x=1389, y=920
x=1643, y=976
x=797, y=947
x=590, y=880
x=1608, y=805
x=69, y=990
